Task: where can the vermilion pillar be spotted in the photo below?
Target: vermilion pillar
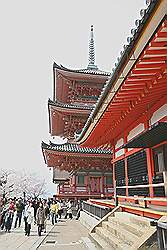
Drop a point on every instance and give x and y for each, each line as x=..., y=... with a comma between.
x=86, y=183
x=150, y=164
x=102, y=184
x=113, y=166
x=149, y=168
x=62, y=188
x=126, y=166
x=126, y=175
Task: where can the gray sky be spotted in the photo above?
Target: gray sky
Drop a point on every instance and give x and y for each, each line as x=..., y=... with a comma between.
x=34, y=33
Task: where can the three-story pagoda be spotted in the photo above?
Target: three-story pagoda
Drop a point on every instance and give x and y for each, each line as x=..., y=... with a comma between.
x=79, y=172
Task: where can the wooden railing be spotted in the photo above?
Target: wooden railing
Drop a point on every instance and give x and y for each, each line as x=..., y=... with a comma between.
x=94, y=210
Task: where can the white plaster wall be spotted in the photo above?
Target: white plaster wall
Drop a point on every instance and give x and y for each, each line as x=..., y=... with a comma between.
x=159, y=114
x=135, y=131
x=119, y=143
x=119, y=153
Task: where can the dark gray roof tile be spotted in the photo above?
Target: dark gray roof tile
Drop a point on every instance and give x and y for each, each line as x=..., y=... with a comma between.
x=69, y=105
x=74, y=148
x=84, y=71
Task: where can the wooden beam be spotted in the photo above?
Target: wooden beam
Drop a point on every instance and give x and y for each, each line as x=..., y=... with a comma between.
x=149, y=65
x=158, y=44
x=161, y=34
x=156, y=51
x=145, y=71
x=153, y=59
x=140, y=77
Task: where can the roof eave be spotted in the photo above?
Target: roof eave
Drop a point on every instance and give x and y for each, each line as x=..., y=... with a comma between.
x=125, y=58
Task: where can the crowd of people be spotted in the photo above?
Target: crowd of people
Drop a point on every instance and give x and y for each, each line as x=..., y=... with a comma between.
x=14, y=212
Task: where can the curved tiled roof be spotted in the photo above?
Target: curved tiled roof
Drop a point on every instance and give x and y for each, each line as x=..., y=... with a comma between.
x=84, y=71
x=136, y=32
x=74, y=148
x=69, y=105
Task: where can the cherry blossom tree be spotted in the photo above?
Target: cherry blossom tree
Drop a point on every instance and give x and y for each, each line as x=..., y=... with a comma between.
x=7, y=182
x=21, y=184
x=31, y=185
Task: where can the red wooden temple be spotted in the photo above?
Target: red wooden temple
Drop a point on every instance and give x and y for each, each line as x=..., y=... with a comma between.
x=129, y=118
x=89, y=170
x=79, y=172
x=131, y=113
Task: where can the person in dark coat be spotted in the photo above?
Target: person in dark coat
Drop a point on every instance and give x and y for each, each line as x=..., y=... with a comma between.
x=40, y=218
x=35, y=206
x=47, y=212
x=8, y=220
x=79, y=209
x=19, y=210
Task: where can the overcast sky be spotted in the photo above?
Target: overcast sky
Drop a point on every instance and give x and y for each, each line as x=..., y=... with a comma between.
x=33, y=34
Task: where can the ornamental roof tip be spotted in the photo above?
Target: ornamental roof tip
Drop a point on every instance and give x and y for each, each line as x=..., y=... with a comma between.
x=74, y=148
x=89, y=70
x=135, y=32
x=69, y=105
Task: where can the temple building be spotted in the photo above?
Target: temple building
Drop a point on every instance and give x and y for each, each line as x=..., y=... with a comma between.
x=79, y=172
x=116, y=124
x=131, y=113
x=89, y=170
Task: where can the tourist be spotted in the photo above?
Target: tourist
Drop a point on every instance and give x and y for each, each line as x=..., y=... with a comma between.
x=53, y=212
x=47, y=212
x=3, y=213
x=79, y=208
x=30, y=216
x=60, y=208
x=19, y=206
x=69, y=209
x=26, y=215
x=35, y=206
x=40, y=218
x=8, y=219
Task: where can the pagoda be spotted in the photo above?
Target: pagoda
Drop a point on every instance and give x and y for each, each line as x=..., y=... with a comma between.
x=79, y=172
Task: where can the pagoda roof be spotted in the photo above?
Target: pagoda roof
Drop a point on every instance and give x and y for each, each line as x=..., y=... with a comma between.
x=128, y=57
x=58, y=111
x=69, y=105
x=74, y=148
x=82, y=71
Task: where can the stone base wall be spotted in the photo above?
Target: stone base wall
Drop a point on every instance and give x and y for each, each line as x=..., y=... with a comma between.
x=87, y=220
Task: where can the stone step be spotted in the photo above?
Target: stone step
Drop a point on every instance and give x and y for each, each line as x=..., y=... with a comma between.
x=124, y=223
x=111, y=239
x=121, y=233
x=136, y=219
x=99, y=242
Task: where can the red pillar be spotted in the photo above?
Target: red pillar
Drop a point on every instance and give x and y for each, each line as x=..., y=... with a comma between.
x=103, y=191
x=114, y=166
x=126, y=175
x=149, y=168
x=73, y=184
x=58, y=189
x=126, y=166
x=61, y=188
x=86, y=183
x=150, y=163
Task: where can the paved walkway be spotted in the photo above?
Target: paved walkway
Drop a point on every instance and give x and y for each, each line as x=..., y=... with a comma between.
x=16, y=239
x=66, y=235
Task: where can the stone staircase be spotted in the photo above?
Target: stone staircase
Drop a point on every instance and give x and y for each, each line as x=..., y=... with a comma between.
x=122, y=230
